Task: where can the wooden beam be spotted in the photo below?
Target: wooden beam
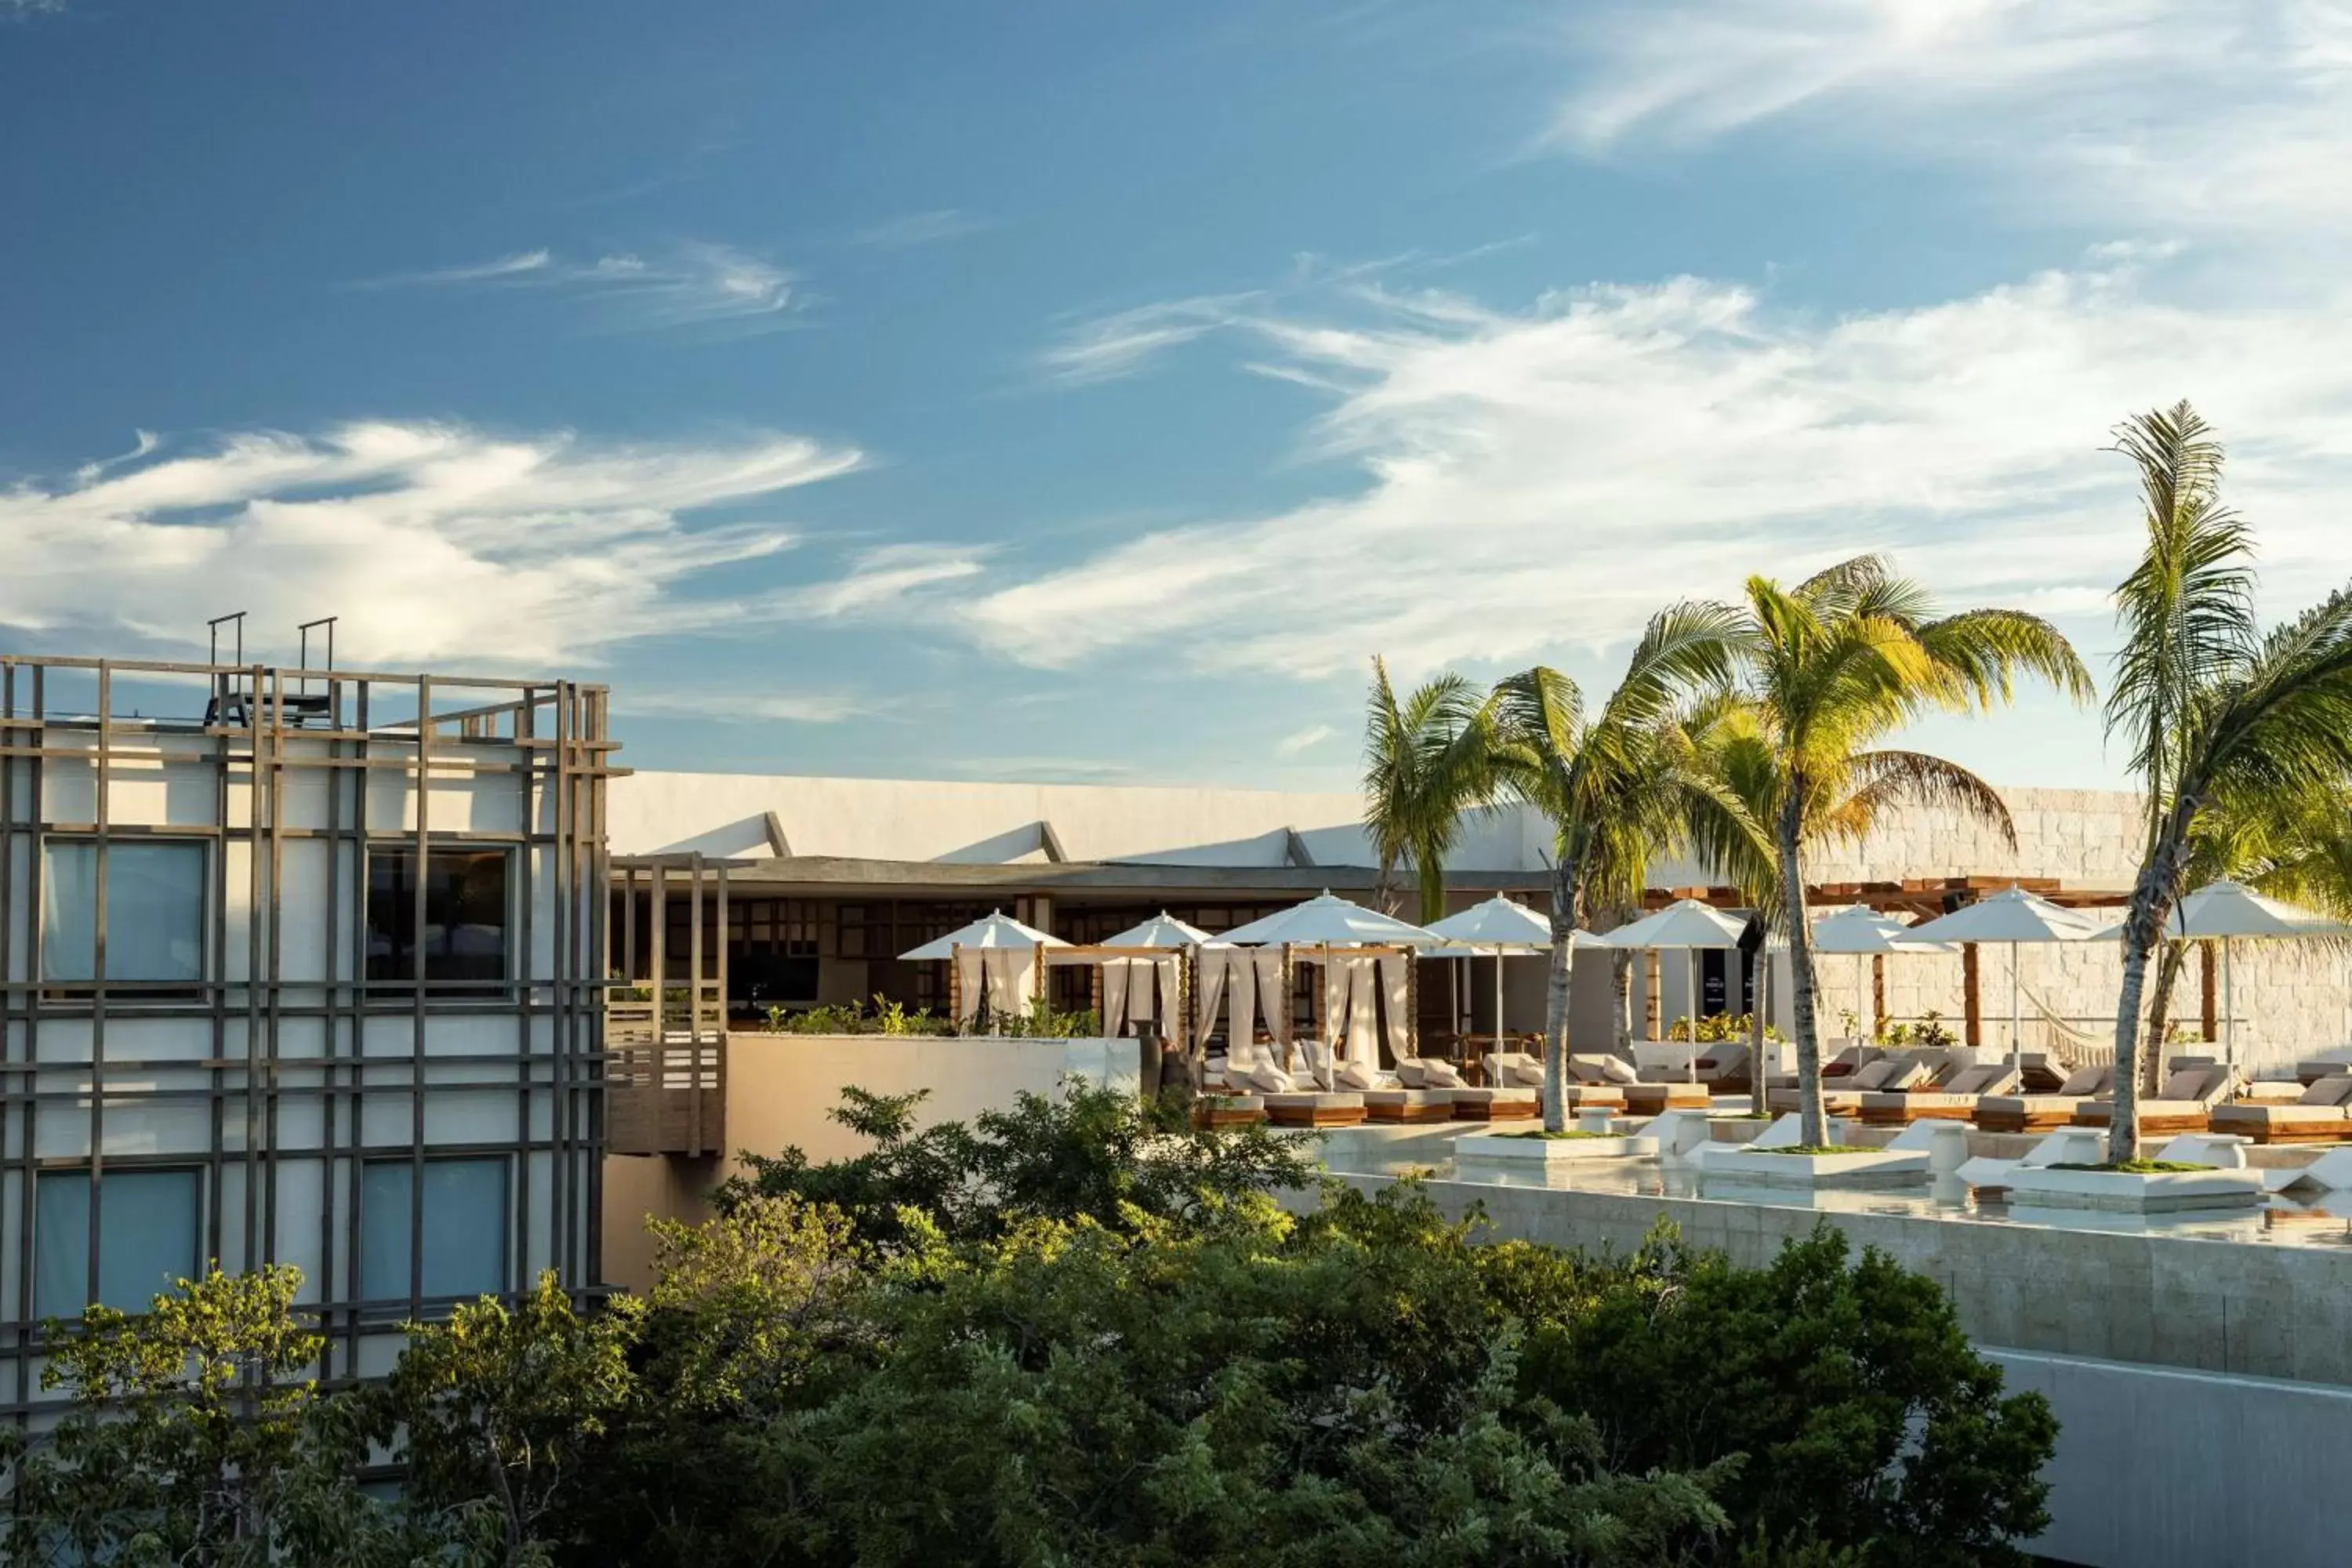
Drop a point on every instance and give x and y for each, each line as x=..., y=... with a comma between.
x=1972, y=1030
x=2209, y=1010
x=1877, y=994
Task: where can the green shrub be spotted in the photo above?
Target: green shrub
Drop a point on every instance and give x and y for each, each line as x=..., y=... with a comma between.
x=1860, y=1414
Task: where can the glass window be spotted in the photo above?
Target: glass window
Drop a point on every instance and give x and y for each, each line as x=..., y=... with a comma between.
x=146, y=1238
x=154, y=910
x=465, y=1229
x=465, y=897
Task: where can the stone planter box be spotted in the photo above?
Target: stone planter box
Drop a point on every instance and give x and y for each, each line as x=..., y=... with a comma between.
x=1548, y=1151
x=1861, y=1168
x=2158, y=1192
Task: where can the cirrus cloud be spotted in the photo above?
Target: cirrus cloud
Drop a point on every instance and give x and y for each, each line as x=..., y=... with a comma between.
x=432, y=541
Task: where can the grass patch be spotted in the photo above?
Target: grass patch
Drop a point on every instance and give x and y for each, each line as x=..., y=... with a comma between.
x=1814, y=1148
x=1561, y=1137
x=2135, y=1167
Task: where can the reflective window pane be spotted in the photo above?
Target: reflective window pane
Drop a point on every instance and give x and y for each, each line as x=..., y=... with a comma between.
x=465, y=1229
x=154, y=910
x=146, y=1239
x=465, y=897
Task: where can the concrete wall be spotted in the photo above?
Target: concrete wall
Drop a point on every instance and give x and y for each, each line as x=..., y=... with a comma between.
x=779, y=1087
x=2162, y=1468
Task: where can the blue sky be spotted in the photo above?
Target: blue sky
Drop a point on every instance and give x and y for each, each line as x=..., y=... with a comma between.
x=1086, y=391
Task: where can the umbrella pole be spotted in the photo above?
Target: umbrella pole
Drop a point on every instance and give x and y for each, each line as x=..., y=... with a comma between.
x=1690, y=1058
x=2229, y=1011
x=2016, y=1056
x=1498, y=998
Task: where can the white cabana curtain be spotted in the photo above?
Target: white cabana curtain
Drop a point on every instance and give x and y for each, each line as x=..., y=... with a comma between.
x=969, y=980
x=1273, y=997
x=1396, y=993
x=1212, y=996
x=1364, y=1036
x=1117, y=977
x=1012, y=975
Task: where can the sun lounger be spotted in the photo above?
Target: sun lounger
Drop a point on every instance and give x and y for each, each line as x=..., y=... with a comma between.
x=1315, y=1109
x=1497, y=1101
x=1725, y=1069
x=2319, y=1115
x=2325, y=1064
x=1955, y=1099
x=1228, y=1111
x=2185, y=1105
x=1657, y=1099
x=1405, y=1096
x=2045, y=1113
x=1892, y=1072
x=1850, y=1060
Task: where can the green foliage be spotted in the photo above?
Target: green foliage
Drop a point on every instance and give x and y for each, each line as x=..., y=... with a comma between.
x=2132, y=1167
x=1093, y=1153
x=1720, y=1028
x=885, y=1017
x=1928, y=1033
x=1427, y=760
x=495, y=1410
x=193, y=1435
x=1865, y=1420
x=1104, y=1346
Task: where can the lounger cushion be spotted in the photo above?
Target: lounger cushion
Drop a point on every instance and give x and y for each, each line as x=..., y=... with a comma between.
x=1879, y=1074
x=2083, y=1081
x=1496, y=1096
x=1974, y=1081
x=2185, y=1084
x=2278, y=1115
x=1413, y=1072
x=1358, y=1076
x=1324, y=1101
x=1440, y=1074
x=1530, y=1074
x=2327, y=1091
x=1407, y=1097
x=1270, y=1080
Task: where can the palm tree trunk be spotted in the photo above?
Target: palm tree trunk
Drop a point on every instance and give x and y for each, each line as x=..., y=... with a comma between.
x=1433, y=897
x=2159, y=1017
x=1559, y=991
x=1813, y=1119
x=2152, y=901
x=1621, y=1020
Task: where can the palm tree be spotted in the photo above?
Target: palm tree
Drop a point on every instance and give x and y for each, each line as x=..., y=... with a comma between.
x=2185, y=614
x=1835, y=665
x=1734, y=740
x=1427, y=760
x=1618, y=785
x=2224, y=721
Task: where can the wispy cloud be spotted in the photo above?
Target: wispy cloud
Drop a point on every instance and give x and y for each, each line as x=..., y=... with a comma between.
x=432, y=542
x=753, y=707
x=2190, y=113
x=1306, y=740
x=693, y=284
x=882, y=579
x=1108, y=348
x=911, y=229
x=1535, y=481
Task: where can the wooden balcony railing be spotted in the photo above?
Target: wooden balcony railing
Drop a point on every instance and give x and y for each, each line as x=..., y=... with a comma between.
x=665, y=1074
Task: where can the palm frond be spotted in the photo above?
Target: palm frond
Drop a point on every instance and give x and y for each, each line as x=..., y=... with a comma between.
x=1878, y=779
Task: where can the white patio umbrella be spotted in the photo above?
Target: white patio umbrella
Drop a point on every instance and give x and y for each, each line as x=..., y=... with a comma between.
x=1502, y=928
x=999, y=929
x=2225, y=911
x=2014, y=917
x=1162, y=930
x=1865, y=932
x=1687, y=924
x=1329, y=922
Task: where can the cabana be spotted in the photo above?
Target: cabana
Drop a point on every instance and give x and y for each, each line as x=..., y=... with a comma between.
x=1138, y=975
x=997, y=959
x=1367, y=994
